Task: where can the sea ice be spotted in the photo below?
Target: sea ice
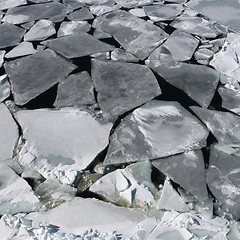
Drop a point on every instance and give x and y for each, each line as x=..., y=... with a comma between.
x=2, y=54
x=190, y=164
x=10, y=35
x=41, y=30
x=204, y=55
x=28, y=79
x=122, y=86
x=4, y=88
x=121, y=55
x=137, y=36
x=75, y=91
x=53, y=10
x=98, y=34
x=15, y=194
x=139, y=12
x=155, y=130
x=78, y=45
x=80, y=15
x=23, y=49
x=9, y=133
x=69, y=28
x=102, y=9
x=134, y=3
x=5, y=4
x=74, y=4
x=60, y=143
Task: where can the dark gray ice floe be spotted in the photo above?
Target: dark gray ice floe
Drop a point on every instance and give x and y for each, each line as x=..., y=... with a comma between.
x=41, y=30
x=157, y=129
x=78, y=45
x=11, y=35
x=32, y=75
x=5, y=4
x=139, y=38
x=80, y=15
x=75, y=91
x=201, y=88
x=122, y=86
x=53, y=10
x=4, y=87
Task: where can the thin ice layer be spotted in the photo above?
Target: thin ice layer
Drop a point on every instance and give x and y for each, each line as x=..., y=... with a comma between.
x=135, y=35
x=155, y=130
x=61, y=143
x=28, y=79
x=122, y=86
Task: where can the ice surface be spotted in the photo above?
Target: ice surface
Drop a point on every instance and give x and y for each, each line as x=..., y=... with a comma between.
x=15, y=193
x=181, y=45
x=135, y=35
x=223, y=180
x=171, y=200
x=53, y=10
x=102, y=9
x=78, y=45
x=190, y=164
x=134, y=3
x=163, y=12
x=121, y=55
x=139, y=12
x=230, y=99
x=4, y=87
x=80, y=15
x=98, y=34
x=157, y=129
x=9, y=133
x=5, y=4
x=225, y=12
x=69, y=28
x=10, y=35
x=200, y=88
x=122, y=86
x=75, y=90
x=61, y=143
x=23, y=49
x=28, y=79
x=41, y=30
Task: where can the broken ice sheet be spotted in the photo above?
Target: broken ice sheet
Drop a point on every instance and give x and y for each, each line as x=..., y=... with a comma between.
x=75, y=91
x=134, y=3
x=121, y=55
x=4, y=88
x=5, y=4
x=78, y=45
x=181, y=45
x=201, y=88
x=137, y=36
x=10, y=35
x=203, y=55
x=23, y=49
x=130, y=187
x=28, y=79
x=15, y=193
x=69, y=28
x=9, y=133
x=53, y=10
x=122, y=86
x=155, y=130
x=60, y=143
x=80, y=15
x=190, y=164
x=225, y=12
x=163, y=12
x=41, y=30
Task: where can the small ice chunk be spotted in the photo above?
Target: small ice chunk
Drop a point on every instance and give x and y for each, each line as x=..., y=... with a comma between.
x=5, y=4
x=4, y=88
x=139, y=12
x=41, y=30
x=69, y=28
x=80, y=15
x=101, y=56
x=171, y=200
x=2, y=54
x=204, y=55
x=15, y=193
x=121, y=55
x=23, y=49
x=9, y=133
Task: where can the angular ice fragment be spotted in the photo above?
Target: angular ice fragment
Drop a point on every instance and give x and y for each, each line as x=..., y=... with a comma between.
x=163, y=12
x=181, y=45
x=121, y=55
x=28, y=25
x=155, y=130
x=190, y=164
x=80, y=15
x=78, y=45
x=102, y=9
x=98, y=34
x=4, y=88
x=10, y=35
x=2, y=54
x=41, y=30
x=23, y=49
x=15, y=193
x=60, y=143
x=27, y=78
x=137, y=36
x=204, y=55
x=75, y=91
x=74, y=4
x=9, y=133
x=54, y=11
x=69, y=28
x=139, y=12
x=134, y=3
x=5, y=4
x=122, y=86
